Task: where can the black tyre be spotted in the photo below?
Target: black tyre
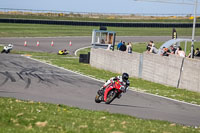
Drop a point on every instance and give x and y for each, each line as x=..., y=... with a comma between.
x=98, y=98
x=111, y=96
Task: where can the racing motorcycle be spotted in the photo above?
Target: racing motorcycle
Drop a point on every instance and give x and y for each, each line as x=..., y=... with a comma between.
x=112, y=91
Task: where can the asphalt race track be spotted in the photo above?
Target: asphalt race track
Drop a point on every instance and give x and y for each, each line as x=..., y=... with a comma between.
x=63, y=42
x=27, y=79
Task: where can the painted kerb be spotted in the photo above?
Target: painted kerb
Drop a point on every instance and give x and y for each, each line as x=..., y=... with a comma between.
x=170, y=70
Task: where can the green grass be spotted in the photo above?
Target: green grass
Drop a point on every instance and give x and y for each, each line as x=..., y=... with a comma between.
x=34, y=117
x=44, y=30
x=83, y=51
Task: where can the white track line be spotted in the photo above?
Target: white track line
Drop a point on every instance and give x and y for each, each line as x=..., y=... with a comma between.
x=81, y=49
x=103, y=81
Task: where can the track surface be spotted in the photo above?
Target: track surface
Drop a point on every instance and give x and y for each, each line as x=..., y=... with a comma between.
x=27, y=79
x=63, y=42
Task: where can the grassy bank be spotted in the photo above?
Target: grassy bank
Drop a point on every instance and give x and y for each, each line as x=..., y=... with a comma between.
x=28, y=116
x=44, y=30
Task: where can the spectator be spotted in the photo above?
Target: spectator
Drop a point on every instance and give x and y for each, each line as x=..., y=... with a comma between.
x=166, y=52
x=153, y=49
x=149, y=45
x=197, y=52
x=180, y=52
x=173, y=49
x=123, y=47
x=189, y=55
x=102, y=41
x=119, y=44
x=129, y=47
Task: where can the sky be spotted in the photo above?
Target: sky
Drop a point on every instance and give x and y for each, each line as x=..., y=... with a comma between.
x=154, y=7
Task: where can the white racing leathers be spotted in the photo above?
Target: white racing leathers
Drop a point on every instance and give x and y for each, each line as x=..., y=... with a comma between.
x=124, y=86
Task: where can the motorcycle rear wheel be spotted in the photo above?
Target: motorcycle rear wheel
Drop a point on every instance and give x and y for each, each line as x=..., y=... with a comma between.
x=111, y=96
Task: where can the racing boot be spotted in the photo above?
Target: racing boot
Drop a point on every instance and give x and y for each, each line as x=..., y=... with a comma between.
x=119, y=96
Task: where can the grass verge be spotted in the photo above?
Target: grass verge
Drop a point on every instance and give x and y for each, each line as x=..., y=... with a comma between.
x=44, y=30
x=28, y=116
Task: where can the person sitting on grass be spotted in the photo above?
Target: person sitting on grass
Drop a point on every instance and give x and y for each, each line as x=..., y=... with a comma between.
x=123, y=47
x=63, y=52
x=173, y=49
x=149, y=45
x=180, y=52
x=153, y=49
x=166, y=52
x=189, y=55
x=119, y=44
x=197, y=52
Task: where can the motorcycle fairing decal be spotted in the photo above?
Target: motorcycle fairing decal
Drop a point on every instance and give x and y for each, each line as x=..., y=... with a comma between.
x=106, y=92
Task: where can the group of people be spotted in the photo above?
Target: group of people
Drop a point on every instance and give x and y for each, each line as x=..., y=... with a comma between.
x=172, y=50
x=122, y=46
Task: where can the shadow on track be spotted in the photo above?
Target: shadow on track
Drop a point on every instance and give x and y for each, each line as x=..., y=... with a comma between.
x=124, y=105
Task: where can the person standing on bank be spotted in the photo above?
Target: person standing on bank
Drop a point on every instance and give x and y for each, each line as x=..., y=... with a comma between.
x=129, y=48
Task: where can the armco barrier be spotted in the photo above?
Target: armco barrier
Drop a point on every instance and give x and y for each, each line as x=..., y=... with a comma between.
x=111, y=24
x=172, y=70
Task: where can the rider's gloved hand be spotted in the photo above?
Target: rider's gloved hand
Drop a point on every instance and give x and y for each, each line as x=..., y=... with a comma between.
x=123, y=89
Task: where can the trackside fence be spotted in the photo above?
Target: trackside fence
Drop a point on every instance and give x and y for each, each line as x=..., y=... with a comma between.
x=110, y=24
x=172, y=70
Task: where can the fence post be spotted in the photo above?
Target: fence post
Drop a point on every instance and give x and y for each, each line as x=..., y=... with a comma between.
x=181, y=69
x=140, y=65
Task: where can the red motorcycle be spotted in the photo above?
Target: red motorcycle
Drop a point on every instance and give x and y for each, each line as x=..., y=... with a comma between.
x=112, y=91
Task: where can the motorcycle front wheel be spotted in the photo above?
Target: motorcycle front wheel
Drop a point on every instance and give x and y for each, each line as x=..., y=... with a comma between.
x=98, y=98
x=111, y=96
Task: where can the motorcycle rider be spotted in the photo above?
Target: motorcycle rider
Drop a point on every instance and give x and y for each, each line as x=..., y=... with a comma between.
x=7, y=49
x=123, y=79
x=63, y=52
